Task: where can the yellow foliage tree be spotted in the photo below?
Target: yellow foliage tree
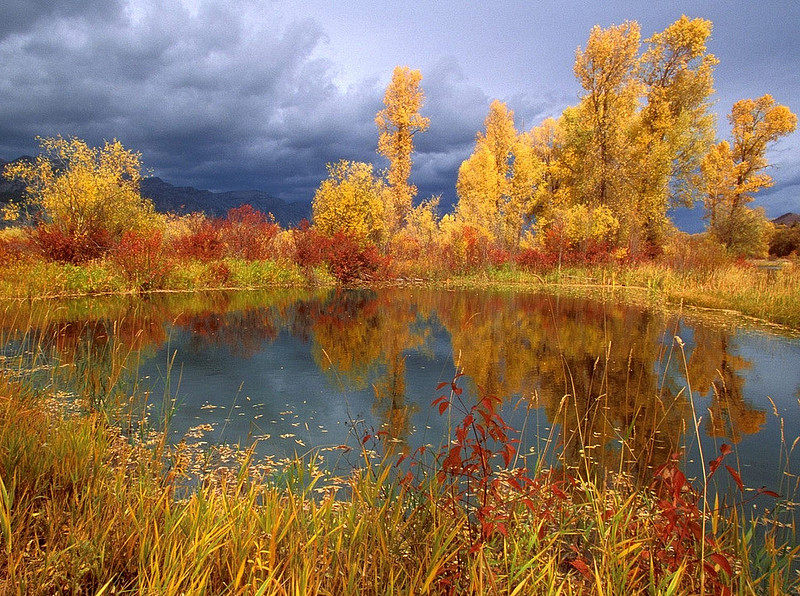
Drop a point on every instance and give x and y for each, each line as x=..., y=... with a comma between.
x=83, y=189
x=397, y=123
x=351, y=200
x=674, y=129
x=597, y=143
x=497, y=183
x=732, y=174
x=635, y=141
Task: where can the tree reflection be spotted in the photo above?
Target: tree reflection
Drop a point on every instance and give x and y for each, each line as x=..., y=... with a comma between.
x=604, y=374
x=594, y=368
x=359, y=337
x=713, y=367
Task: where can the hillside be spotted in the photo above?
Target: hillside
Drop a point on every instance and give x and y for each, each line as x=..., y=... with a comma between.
x=186, y=199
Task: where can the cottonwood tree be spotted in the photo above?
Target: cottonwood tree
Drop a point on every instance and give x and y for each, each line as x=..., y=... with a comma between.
x=351, y=200
x=497, y=183
x=633, y=144
x=86, y=192
x=733, y=172
x=397, y=123
x=597, y=141
x=674, y=128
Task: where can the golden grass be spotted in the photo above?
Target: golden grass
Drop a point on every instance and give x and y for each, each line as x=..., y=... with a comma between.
x=84, y=509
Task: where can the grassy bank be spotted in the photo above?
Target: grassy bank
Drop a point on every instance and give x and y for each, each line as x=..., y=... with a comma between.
x=770, y=295
x=87, y=508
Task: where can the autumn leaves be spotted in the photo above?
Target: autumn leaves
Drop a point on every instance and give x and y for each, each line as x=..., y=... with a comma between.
x=603, y=175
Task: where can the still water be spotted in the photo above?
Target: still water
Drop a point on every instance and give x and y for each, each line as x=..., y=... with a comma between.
x=301, y=371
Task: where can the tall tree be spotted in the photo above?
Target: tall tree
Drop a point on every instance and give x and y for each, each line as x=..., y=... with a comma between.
x=398, y=122
x=598, y=147
x=675, y=128
x=497, y=182
x=733, y=173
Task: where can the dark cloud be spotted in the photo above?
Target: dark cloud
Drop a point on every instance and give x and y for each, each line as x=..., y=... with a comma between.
x=20, y=16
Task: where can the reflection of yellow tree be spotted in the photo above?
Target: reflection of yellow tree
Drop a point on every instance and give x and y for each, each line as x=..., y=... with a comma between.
x=359, y=337
x=592, y=366
x=712, y=367
x=99, y=341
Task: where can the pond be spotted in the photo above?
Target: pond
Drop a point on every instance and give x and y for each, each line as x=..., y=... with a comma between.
x=590, y=384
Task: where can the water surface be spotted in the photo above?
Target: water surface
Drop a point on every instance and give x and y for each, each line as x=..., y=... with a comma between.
x=300, y=371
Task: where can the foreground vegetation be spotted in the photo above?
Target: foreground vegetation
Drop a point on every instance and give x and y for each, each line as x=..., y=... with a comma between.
x=87, y=508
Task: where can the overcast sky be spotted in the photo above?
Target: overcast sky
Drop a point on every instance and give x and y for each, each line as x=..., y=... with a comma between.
x=257, y=94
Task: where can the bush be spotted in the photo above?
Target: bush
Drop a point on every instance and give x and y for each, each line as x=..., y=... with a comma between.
x=535, y=260
x=349, y=262
x=202, y=241
x=785, y=241
x=69, y=246
x=248, y=234
x=15, y=244
x=142, y=260
x=700, y=253
x=310, y=247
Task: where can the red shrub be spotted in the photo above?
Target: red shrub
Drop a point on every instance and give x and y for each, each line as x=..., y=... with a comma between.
x=350, y=262
x=476, y=248
x=142, y=259
x=203, y=242
x=311, y=247
x=498, y=256
x=347, y=260
x=68, y=246
x=536, y=260
x=248, y=234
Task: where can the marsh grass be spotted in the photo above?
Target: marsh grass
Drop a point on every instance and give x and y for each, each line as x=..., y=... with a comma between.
x=94, y=502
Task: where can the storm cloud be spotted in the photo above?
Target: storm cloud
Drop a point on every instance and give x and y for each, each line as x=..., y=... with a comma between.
x=262, y=94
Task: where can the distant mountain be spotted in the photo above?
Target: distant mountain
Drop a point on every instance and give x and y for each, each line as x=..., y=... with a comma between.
x=186, y=199
x=787, y=219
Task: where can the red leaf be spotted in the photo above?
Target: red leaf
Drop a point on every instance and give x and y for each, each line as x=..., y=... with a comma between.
x=508, y=453
x=722, y=561
x=453, y=459
x=582, y=567
x=437, y=400
x=366, y=438
x=442, y=384
x=468, y=420
x=443, y=407
x=710, y=570
x=735, y=475
x=726, y=449
x=713, y=465
x=769, y=493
